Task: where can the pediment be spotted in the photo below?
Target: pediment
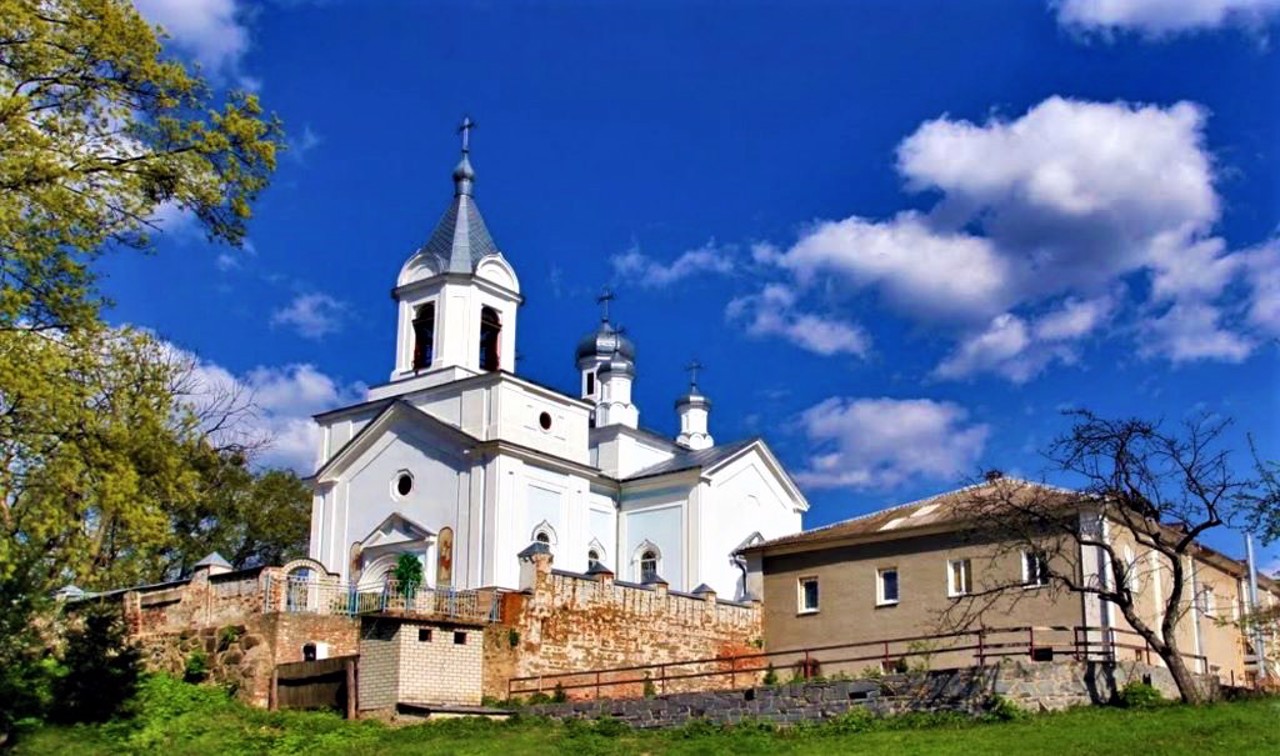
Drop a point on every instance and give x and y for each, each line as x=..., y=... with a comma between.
x=396, y=530
x=759, y=455
x=399, y=419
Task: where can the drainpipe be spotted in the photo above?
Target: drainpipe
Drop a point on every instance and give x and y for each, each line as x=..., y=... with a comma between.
x=741, y=563
x=1202, y=664
x=1258, y=650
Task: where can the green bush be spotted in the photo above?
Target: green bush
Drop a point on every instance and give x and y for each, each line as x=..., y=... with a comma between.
x=770, y=676
x=227, y=637
x=1001, y=709
x=610, y=727
x=558, y=695
x=408, y=573
x=101, y=668
x=513, y=637
x=1140, y=695
x=197, y=667
x=649, y=690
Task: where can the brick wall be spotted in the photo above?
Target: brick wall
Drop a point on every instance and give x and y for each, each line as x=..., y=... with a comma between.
x=565, y=622
x=379, y=680
x=410, y=660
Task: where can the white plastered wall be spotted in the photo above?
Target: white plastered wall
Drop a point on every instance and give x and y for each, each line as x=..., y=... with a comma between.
x=739, y=499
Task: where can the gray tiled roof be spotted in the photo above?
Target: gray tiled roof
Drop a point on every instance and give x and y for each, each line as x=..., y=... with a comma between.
x=689, y=460
x=461, y=239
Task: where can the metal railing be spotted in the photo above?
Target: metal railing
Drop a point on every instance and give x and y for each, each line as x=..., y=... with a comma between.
x=312, y=594
x=940, y=651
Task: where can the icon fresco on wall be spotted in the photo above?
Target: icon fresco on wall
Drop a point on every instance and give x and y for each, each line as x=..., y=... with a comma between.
x=444, y=559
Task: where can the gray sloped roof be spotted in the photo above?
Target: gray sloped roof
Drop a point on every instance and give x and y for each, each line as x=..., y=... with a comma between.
x=460, y=240
x=689, y=460
x=212, y=560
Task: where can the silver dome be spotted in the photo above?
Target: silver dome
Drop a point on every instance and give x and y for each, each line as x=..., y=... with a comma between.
x=606, y=341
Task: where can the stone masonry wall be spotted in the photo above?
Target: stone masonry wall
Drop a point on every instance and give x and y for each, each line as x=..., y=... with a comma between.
x=243, y=654
x=564, y=622
x=1031, y=686
x=234, y=621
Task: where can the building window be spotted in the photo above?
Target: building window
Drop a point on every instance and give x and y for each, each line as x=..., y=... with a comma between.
x=544, y=421
x=424, y=331
x=648, y=566
x=887, y=586
x=490, y=336
x=808, y=595
x=459, y=638
x=543, y=537
x=424, y=635
x=1035, y=569
x=1208, y=602
x=959, y=577
x=593, y=556
x=404, y=484
x=591, y=384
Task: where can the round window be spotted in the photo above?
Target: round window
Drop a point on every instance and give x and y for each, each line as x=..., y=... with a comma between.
x=404, y=484
x=545, y=420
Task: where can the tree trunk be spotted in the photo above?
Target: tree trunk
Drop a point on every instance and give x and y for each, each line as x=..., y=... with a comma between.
x=1188, y=686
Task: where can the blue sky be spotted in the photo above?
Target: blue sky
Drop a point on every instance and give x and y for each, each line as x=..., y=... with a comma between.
x=902, y=236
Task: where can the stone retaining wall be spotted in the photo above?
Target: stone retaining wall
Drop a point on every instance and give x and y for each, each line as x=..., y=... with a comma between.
x=1030, y=686
x=563, y=622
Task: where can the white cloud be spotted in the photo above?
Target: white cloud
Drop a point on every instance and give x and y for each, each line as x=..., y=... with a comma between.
x=1161, y=18
x=1075, y=318
x=1018, y=351
x=210, y=31
x=279, y=403
x=920, y=270
x=650, y=273
x=881, y=442
x=231, y=259
x=773, y=312
x=299, y=146
x=1194, y=331
x=1263, y=274
x=1057, y=207
x=312, y=316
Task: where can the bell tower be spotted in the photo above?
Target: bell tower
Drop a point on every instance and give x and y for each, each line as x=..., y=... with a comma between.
x=457, y=295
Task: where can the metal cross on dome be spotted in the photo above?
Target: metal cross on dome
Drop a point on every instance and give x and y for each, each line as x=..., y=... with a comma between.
x=465, y=130
x=693, y=368
x=606, y=296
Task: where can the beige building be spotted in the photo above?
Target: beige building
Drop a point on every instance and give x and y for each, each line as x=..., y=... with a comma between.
x=911, y=585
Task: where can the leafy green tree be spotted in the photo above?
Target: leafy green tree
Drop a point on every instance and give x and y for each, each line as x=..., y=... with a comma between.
x=101, y=133
x=96, y=451
x=102, y=667
x=408, y=573
x=250, y=518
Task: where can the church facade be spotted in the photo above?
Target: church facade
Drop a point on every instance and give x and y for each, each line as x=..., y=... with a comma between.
x=464, y=464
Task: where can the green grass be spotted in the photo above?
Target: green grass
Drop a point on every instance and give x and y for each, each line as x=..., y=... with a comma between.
x=172, y=718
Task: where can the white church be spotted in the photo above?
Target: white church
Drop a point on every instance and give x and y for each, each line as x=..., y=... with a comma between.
x=465, y=464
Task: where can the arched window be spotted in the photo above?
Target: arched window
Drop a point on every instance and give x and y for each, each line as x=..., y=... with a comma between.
x=543, y=537
x=490, y=336
x=424, y=331
x=593, y=556
x=648, y=565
